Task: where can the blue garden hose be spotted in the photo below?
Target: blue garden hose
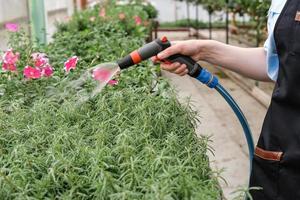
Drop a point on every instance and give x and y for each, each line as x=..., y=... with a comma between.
x=211, y=81
x=194, y=70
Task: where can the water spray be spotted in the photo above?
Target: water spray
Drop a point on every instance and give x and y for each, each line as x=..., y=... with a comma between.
x=194, y=70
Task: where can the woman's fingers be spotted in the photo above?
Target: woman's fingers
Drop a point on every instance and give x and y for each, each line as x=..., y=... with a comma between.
x=180, y=69
x=177, y=68
x=174, y=67
x=155, y=60
x=170, y=67
x=184, y=73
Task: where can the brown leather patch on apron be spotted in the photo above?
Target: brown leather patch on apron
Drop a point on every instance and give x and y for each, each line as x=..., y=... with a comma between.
x=297, y=17
x=268, y=155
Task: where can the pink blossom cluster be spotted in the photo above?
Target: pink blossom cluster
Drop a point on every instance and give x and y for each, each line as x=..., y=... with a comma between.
x=138, y=20
x=41, y=68
x=9, y=61
x=12, y=27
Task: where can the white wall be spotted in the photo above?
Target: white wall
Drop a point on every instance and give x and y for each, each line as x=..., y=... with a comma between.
x=12, y=9
x=169, y=10
x=52, y=5
x=17, y=11
x=57, y=11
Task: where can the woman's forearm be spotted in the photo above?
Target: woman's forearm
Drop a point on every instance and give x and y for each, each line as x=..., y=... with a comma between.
x=250, y=62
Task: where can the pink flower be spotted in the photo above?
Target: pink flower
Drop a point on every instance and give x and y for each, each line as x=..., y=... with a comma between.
x=40, y=59
x=9, y=67
x=103, y=75
x=12, y=27
x=71, y=63
x=40, y=62
x=47, y=70
x=102, y=12
x=92, y=19
x=122, y=16
x=32, y=73
x=138, y=20
x=10, y=58
x=38, y=55
x=112, y=82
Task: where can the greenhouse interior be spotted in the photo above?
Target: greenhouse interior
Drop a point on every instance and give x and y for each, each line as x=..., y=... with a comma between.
x=150, y=99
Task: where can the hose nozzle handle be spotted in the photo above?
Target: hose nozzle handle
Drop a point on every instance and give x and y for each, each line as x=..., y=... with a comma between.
x=152, y=49
x=194, y=69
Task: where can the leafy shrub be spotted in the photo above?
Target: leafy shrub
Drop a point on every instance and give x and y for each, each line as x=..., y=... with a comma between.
x=131, y=141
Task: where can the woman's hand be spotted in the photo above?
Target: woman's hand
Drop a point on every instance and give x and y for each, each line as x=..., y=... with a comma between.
x=192, y=48
x=250, y=62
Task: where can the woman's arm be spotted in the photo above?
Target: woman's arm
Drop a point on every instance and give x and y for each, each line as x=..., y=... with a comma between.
x=250, y=62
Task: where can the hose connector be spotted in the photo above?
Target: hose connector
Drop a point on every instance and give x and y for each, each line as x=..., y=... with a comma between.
x=207, y=78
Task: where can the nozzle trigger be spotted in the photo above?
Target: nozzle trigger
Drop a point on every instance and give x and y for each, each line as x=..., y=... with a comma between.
x=165, y=61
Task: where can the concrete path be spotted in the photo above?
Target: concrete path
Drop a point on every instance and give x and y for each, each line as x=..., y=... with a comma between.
x=218, y=121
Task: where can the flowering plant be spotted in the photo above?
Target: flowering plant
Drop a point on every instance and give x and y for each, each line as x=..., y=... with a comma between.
x=9, y=60
x=12, y=27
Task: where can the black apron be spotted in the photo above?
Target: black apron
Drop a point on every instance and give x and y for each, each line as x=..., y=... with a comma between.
x=276, y=163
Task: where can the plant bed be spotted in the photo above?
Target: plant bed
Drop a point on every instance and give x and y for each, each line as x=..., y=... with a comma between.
x=131, y=141
x=185, y=23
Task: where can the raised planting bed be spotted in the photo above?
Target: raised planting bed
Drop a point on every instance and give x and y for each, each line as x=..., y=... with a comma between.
x=131, y=141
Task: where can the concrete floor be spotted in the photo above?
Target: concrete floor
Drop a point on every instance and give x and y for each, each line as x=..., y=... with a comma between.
x=218, y=121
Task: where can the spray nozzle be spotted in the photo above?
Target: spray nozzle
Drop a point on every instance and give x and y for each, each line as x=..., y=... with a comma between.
x=155, y=47
x=147, y=51
x=152, y=49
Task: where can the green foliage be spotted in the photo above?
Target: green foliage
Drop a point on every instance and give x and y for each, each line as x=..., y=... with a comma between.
x=251, y=7
x=151, y=11
x=103, y=40
x=199, y=24
x=256, y=9
x=244, y=193
x=184, y=23
x=126, y=144
x=131, y=141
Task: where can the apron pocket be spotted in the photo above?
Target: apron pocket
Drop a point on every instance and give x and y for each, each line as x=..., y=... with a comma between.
x=268, y=155
x=265, y=173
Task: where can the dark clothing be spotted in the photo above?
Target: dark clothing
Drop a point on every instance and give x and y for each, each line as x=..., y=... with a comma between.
x=276, y=164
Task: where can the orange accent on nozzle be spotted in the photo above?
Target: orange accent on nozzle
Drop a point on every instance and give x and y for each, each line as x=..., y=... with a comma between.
x=136, y=58
x=164, y=39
